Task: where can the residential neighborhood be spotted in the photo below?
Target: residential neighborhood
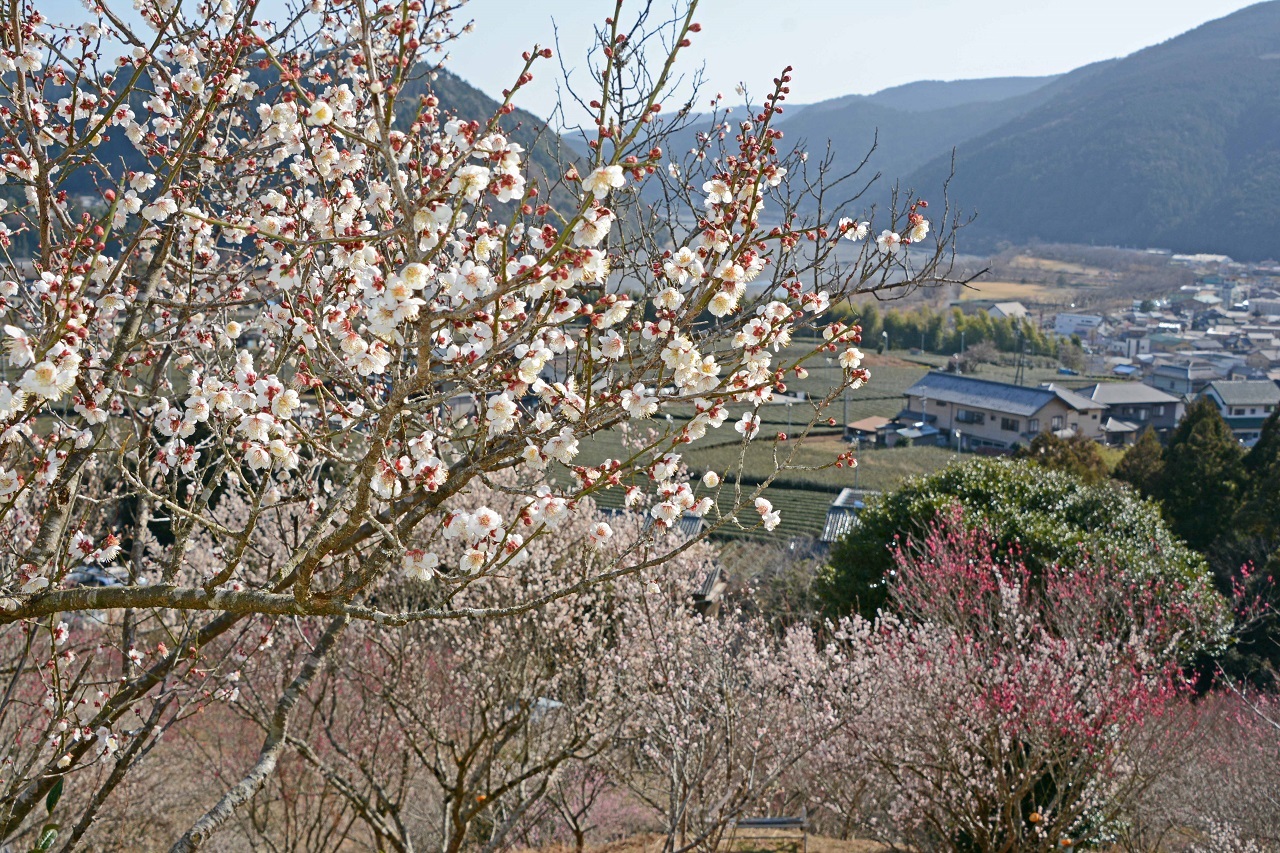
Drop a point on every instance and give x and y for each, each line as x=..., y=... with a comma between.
x=1218, y=338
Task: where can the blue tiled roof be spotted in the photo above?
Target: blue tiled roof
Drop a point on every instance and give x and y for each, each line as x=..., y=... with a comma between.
x=996, y=396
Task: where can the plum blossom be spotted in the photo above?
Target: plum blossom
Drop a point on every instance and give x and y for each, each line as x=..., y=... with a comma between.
x=889, y=242
x=602, y=180
x=718, y=192
x=851, y=358
x=769, y=517
x=420, y=565
x=854, y=231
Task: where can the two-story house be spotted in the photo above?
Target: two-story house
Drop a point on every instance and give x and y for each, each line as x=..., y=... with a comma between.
x=987, y=414
x=1244, y=405
x=1132, y=407
x=1185, y=379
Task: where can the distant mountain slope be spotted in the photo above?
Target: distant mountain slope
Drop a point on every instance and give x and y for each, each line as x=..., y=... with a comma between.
x=913, y=124
x=927, y=95
x=1177, y=145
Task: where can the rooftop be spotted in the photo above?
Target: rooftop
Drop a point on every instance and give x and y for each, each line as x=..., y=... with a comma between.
x=870, y=424
x=998, y=396
x=1255, y=392
x=1011, y=309
x=1120, y=393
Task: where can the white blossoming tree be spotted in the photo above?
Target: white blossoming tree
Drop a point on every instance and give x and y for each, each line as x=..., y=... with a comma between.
x=262, y=265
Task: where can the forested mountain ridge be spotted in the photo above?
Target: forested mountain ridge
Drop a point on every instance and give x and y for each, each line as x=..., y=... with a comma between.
x=1176, y=146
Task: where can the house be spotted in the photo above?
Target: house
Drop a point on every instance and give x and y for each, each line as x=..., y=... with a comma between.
x=993, y=309
x=1132, y=406
x=867, y=431
x=981, y=413
x=1131, y=343
x=1086, y=326
x=1244, y=405
x=1184, y=379
x=1264, y=306
x=1003, y=310
x=709, y=594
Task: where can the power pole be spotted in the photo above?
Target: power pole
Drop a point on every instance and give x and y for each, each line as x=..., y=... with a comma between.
x=1018, y=375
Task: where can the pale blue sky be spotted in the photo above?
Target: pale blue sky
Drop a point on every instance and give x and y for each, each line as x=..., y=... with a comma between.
x=838, y=47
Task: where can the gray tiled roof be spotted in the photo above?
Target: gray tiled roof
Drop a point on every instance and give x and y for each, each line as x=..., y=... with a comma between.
x=839, y=522
x=1077, y=401
x=995, y=396
x=1257, y=392
x=1117, y=425
x=1121, y=393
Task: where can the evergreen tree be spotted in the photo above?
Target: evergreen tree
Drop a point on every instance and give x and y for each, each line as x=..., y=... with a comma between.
x=1246, y=563
x=1077, y=456
x=1142, y=465
x=1203, y=476
x=1259, y=511
x=1049, y=517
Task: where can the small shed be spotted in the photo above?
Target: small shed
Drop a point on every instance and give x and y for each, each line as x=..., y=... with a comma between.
x=842, y=515
x=870, y=429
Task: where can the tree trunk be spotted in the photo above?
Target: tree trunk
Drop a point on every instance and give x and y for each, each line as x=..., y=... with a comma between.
x=272, y=745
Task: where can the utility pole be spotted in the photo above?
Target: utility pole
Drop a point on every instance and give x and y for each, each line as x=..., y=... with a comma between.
x=1022, y=348
x=857, y=446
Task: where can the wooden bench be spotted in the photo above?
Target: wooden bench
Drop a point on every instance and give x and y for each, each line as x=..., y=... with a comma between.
x=777, y=829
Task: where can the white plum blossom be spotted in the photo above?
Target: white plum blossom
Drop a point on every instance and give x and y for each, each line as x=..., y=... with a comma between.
x=919, y=228
x=339, y=336
x=718, y=192
x=889, y=242
x=420, y=565
x=321, y=114
x=854, y=231
x=769, y=517
x=851, y=359
x=600, y=533
x=602, y=180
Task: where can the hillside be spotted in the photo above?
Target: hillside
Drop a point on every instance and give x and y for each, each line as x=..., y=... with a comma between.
x=1177, y=145
x=548, y=153
x=913, y=124
x=927, y=95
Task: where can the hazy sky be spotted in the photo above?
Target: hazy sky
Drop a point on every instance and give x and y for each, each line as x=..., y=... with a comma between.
x=838, y=47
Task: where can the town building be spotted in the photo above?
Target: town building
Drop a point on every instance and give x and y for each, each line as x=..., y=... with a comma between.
x=1184, y=378
x=1087, y=326
x=842, y=515
x=1244, y=405
x=1132, y=407
x=980, y=413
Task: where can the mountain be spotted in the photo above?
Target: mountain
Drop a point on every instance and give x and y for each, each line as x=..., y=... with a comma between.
x=1176, y=146
x=926, y=95
x=911, y=125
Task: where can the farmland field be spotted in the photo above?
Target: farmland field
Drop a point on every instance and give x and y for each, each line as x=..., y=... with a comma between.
x=1011, y=291
x=808, y=482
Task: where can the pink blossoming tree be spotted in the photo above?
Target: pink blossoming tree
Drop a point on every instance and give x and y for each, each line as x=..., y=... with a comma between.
x=1010, y=712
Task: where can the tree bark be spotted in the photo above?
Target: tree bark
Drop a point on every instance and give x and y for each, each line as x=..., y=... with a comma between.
x=272, y=745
